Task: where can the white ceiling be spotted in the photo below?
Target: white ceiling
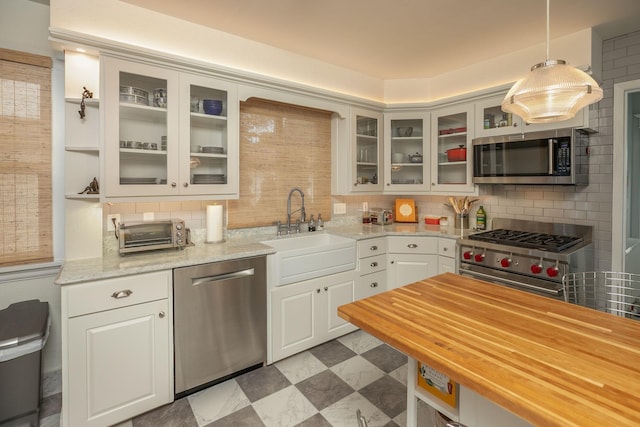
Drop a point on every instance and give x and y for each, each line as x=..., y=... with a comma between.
x=400, y=39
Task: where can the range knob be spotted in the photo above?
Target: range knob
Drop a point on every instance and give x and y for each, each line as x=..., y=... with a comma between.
x=536, y=268
x=479, y=257
x=467, y=255
x=505, y=262
x=553, y=271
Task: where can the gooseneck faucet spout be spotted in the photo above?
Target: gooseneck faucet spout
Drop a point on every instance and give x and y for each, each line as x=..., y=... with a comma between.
x=301, y=210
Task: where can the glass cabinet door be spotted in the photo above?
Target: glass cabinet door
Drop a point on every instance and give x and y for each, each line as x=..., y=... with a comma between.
x=406, y=152
x=491, y=120
x=141, y=103
x=208, y=129
x=367, y=151
x=452, y=137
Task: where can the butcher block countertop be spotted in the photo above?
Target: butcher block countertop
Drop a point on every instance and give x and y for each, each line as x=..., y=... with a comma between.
x=549, y=362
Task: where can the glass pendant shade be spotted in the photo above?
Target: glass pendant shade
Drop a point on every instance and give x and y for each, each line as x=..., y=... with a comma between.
x=553, y=91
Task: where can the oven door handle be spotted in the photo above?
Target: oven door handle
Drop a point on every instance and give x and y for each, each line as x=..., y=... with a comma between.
x=490, y=278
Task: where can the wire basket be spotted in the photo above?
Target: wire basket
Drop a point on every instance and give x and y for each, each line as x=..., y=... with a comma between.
x=612, y=292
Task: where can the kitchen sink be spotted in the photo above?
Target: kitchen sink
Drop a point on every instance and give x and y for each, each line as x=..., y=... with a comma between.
x=308, y=256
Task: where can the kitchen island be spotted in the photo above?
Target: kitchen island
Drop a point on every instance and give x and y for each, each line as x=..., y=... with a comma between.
x=549, y=362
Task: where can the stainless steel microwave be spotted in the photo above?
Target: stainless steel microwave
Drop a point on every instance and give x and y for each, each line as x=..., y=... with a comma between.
x=558, y=156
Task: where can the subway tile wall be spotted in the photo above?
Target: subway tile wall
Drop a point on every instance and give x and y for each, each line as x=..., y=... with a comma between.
x=588, y=205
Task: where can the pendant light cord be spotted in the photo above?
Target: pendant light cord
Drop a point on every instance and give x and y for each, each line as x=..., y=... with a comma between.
x=547, y=30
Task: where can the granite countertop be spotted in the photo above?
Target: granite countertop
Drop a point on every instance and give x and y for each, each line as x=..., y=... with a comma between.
x=111, y=264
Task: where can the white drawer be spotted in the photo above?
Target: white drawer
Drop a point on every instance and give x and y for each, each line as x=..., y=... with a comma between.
x=373, y=263
x=447, y=247
x=370, y=247
x=118, y=292
x=412, y=245
x=371, y=284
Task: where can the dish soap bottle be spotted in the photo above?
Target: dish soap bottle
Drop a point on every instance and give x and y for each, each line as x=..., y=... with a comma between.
x=320, y=223
x=312, y=224
x=481, y=219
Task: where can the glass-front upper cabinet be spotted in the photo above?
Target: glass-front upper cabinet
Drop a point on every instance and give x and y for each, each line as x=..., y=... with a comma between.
x=168, y=133
x=366, y=150
x=492, y=121
x=452, y=134
x=141, y=128
x=407, y=153
x=208, y=133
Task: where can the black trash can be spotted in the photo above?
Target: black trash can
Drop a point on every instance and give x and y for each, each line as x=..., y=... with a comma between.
x=24, y=328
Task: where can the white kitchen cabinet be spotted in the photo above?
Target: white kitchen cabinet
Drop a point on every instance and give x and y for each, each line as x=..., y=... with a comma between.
x=406, y=152
x=305, y=314
x=158, y=143
x=366, y=151
x=117, y=348
x=446, y=255
x=490, y=120
x=452, y=129
x=372, y=265
x=411, y=259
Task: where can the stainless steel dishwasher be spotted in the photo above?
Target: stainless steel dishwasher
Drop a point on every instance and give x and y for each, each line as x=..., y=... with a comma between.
x=220, y=321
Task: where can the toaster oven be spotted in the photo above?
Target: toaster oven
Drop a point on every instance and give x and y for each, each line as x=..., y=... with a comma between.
x=152, y=235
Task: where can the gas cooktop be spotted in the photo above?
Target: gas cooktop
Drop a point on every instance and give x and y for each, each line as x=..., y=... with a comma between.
x=527, y=239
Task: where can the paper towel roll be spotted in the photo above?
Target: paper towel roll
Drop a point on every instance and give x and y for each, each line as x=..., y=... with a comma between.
x=215, y=226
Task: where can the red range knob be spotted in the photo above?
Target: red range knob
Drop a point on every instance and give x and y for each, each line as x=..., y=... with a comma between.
x=552, y=271
x=505, y=262
x=479, y=257
x=467, y=255
x=536, y=268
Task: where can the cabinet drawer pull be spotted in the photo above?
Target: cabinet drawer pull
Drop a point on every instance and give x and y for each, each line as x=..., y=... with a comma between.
x=374, y=264
x=121, y=294
x=374, y=285
x=412, y=245
x=373, y=248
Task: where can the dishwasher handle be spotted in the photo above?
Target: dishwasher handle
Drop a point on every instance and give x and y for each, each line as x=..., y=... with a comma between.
x=219, y=277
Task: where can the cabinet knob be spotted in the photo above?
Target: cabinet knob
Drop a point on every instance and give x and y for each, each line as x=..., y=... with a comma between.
x=174, y=185
x=185, y=185
x=388, y=184
x=121, y=294
x=161, y=314
x=374, y=285
x=326, y=288
x=318, y=290
x=392, y=262
x=445, y=249
x=412, y=245
x=373, y=248
x=374, y=264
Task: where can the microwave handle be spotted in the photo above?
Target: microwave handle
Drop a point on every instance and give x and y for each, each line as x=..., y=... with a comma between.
x=550, y=156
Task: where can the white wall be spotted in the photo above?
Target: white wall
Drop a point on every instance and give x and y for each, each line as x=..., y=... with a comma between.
x=24, y=27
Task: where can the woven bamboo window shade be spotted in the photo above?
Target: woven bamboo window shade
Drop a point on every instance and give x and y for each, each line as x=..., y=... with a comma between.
x=282, y=146
x=25, y=158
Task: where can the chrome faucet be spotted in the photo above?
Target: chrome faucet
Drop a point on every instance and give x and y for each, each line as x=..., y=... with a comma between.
x=301, y=210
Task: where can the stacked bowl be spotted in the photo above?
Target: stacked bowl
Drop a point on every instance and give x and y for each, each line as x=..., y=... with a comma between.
x=212, y=106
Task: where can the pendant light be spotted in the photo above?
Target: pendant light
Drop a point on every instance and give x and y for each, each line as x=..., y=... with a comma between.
x=553, y=91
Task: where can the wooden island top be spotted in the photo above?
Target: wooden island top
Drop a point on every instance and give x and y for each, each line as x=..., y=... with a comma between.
x=549, y=362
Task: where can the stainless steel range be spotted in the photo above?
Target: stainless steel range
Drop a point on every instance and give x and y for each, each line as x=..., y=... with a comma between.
x=527, y=255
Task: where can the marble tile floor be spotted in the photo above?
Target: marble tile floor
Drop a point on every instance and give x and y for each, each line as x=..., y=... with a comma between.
x=323, y=386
